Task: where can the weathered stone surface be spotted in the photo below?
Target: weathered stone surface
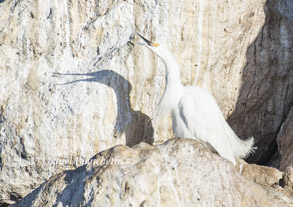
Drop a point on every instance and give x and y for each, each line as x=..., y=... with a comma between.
x=180, y=172
x=285, y=142
x=265, y=176
x=288, y=181
x=268, y=176
x=114, y=84
x=266, y=91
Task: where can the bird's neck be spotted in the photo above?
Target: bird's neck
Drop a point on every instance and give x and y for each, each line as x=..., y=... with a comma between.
x=172, y=74
x=173, y=88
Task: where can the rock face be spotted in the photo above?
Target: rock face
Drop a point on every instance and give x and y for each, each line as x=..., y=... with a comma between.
x=285, y=142
x=74, y=81
x=180, y=172
x=266, y=91
x=288, y=180
x=265, y=176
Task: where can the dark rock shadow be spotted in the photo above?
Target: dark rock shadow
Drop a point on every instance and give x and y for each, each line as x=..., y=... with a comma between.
x=267, y=90
x=136, y=125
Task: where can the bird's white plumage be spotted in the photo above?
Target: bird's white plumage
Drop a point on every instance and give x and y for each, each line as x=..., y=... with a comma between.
x=203, y=119
x=196, y=114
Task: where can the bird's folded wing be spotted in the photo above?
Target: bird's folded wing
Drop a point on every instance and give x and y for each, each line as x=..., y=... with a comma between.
x=202, y=118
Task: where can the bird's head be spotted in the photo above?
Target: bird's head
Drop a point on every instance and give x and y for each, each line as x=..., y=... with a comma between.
x=158, y=49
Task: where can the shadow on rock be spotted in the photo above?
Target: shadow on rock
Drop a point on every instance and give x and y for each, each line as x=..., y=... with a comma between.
x=139, y=128
x=267, y=90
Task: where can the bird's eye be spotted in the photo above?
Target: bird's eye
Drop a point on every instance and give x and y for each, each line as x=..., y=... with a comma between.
x=155, y=44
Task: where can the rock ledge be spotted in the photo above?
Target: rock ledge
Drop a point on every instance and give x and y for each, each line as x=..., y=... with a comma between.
x=180, y=172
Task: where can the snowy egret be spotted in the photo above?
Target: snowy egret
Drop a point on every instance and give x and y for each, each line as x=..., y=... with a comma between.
x=195, y=112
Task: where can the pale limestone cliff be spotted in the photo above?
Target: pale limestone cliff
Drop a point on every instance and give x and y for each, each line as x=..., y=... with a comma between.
x=75, y=81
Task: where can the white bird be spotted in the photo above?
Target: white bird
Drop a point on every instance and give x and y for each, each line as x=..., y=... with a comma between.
x=195, y=112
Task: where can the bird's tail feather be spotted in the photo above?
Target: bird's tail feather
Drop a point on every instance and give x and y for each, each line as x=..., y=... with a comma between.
x=243, y=148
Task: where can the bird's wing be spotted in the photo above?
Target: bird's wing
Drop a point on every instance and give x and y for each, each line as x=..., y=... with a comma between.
x=202, y=117
x=192, y=117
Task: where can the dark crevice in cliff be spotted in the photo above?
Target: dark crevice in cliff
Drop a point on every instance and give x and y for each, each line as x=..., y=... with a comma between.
x=267, y=90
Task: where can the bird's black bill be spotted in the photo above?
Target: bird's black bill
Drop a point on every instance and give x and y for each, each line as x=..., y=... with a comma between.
x=147, y=41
